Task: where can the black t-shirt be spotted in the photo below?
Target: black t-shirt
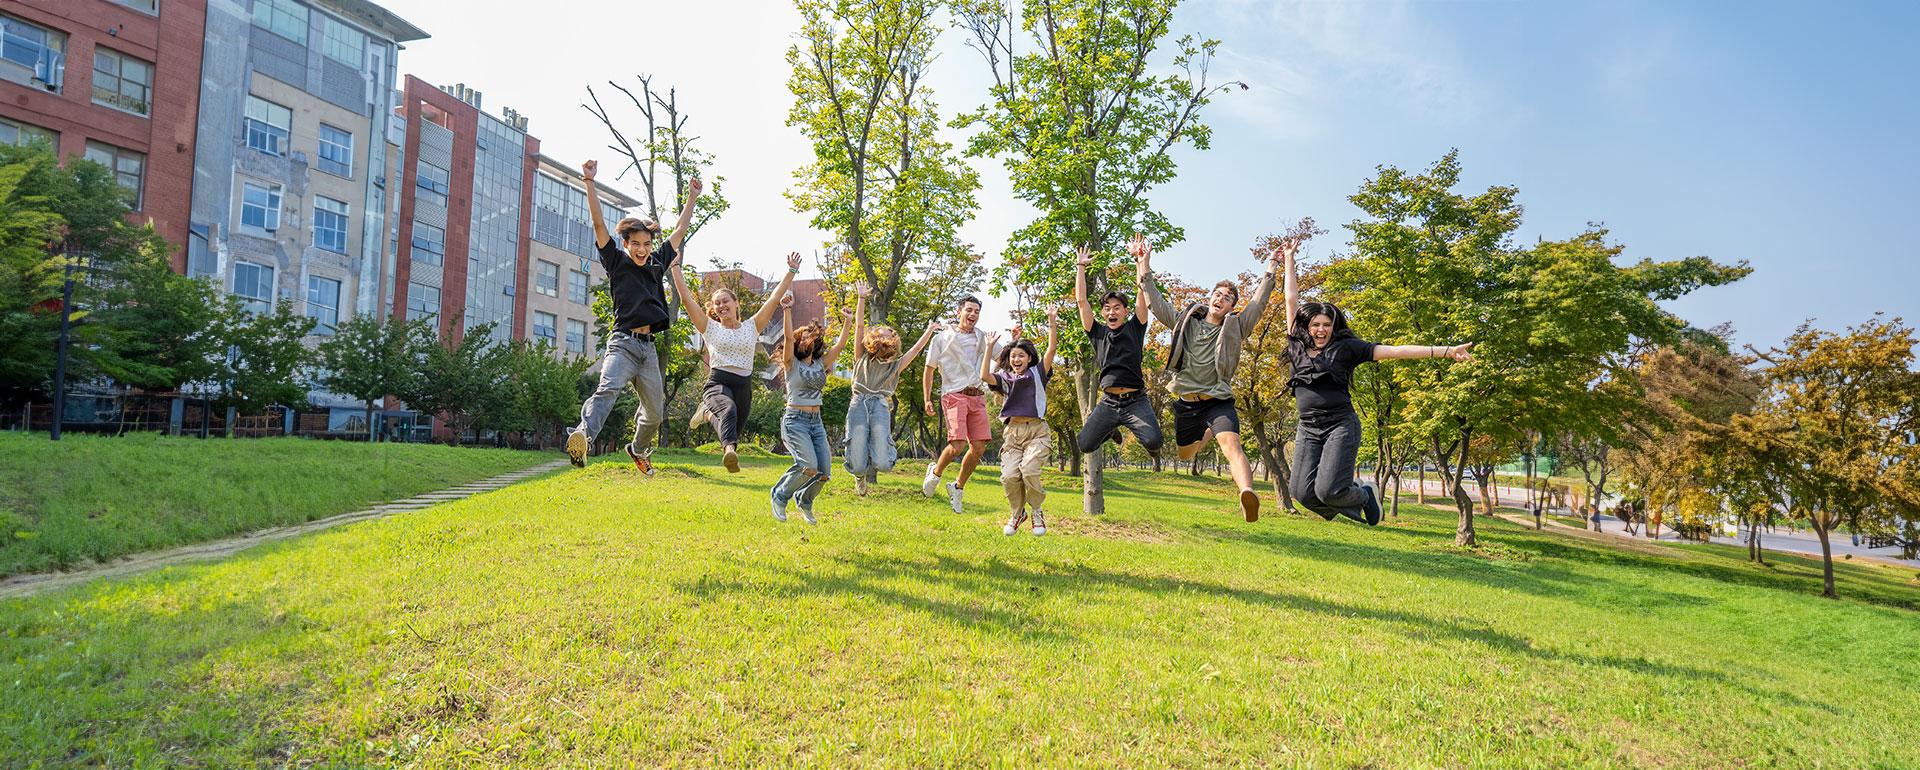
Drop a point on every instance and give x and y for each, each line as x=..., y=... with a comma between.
x=1320, y=382
x=639, y=300
x=1120, y=367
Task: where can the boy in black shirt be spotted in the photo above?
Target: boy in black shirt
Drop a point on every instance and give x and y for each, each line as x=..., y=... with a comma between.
x=640, y=311
x=1117, y=341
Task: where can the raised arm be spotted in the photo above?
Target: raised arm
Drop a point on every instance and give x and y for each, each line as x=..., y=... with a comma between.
x=1053, y=339
x=786, y=332
x=833, y=353
x=921, y=344
x=1080, y=264
x=688, y=300
x=1455, y=352
x=600, y=235
x=1149, y=289
x=1257, y=306
x=986, y=357
x=765, y=313
x=686, y=215
x=1142, y=277
x=1293, y=287
x=860, y=292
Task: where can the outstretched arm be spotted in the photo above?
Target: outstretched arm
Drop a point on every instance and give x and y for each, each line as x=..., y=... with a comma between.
x=786, y=332
x=986, y=357
x=921, y=344
x=1455, y=352
x=1293, y=288
x=1053, y=339
x=600, y=235
x=860, y=291
x=1142, y=276
x=1085, y=258
x=1150, y=291
x=686, y=215
x=688, y=300
x=1257, y=306
x=833, y=353
x=765, y=313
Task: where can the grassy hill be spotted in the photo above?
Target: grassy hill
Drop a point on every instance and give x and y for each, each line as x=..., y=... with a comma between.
x=596, y=618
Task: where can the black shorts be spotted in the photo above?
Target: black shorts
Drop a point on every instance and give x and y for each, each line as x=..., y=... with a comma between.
x=1191, y=419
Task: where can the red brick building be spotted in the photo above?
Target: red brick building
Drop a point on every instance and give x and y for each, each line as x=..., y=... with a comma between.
x=117, y=82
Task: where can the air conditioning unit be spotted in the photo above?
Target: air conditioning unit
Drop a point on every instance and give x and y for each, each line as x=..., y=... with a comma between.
x=507, y=290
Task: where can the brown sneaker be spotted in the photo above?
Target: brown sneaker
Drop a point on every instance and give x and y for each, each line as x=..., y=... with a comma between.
x=641, y=460
x=731, y=459
x=1250, y=504
x=577, y=449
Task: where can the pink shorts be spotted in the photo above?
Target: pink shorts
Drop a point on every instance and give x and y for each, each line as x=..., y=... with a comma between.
x=966, y=417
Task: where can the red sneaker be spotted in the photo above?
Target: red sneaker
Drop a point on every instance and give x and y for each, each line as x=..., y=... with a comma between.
x=643, y=461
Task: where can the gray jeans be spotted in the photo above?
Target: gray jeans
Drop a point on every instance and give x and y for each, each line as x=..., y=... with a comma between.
x=628, y=360
x=1323, y=457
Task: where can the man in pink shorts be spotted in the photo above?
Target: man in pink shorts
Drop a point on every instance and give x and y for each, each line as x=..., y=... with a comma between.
x=955, y=354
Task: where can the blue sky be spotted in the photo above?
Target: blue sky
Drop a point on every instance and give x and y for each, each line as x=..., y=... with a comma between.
x=1785, y=134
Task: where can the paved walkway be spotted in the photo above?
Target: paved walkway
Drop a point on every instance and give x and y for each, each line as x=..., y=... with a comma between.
x=26, y=585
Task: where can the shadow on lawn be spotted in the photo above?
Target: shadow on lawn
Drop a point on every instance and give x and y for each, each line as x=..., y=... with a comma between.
x=993, y=580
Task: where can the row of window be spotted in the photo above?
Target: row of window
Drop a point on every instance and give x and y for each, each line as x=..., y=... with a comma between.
x=546, y=280
x=290, y=20
x=129, y=167
x=269, y=126
x=37, y=56
x=253, y=284
x=260, y=210
x=545, y=327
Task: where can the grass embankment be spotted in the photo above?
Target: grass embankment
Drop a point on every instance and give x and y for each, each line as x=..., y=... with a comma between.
x=63, y=503
x=597, y=619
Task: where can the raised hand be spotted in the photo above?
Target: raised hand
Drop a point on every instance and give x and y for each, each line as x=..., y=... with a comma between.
x=1085, y=256
x=993, y=338
x=862, y=290
x=786, y=301
x=1461, y=352
x=935, y=328
x=1053, y=315
x=588, y=169
x=1283, y=254
x=694, y=187
x=793, y=260
x=846, y=316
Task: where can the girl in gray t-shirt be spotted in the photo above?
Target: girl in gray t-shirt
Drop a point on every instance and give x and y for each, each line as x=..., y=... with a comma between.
x=805, y=359
x=877, y=364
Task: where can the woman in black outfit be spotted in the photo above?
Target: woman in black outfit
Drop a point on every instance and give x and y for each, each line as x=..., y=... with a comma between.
x=1323, y=353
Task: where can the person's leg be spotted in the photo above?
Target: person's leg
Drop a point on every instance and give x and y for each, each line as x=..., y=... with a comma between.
x=978, y=431
x=718, y=401
x=794, y=434
x=859, y=458
x=822, y=457
x=1101, y=422
x=742, y=390
x=975, y=451
x=880, y=438
x=1032, y=460
x=1333, y=482
x=1189, y=429
x=1236, y=459
x=617, y=368
x=1308, y=445
x=652, y=393
x=1143, y=423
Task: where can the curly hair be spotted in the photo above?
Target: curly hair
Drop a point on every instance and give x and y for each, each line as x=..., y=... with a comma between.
x=808, y=343
x=881, y=342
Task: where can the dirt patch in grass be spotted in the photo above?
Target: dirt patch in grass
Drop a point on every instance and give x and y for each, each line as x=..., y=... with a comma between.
x=1111, y=529
x=1488, y=551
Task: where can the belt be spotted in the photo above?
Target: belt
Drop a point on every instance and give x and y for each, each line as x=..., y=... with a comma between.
x=1191, y=397
x=640, y=335
x=973, y=390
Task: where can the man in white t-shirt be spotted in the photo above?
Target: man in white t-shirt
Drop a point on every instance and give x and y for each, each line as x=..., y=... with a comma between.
x=955, y=354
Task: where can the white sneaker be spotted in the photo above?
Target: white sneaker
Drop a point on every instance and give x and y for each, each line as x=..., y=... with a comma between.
x=953, y=497
x=779, y=512
x=860, y=486
x=1039, y=523
x=1013, y=522
x=931, y=482
x=806, y=512
x=700, y=417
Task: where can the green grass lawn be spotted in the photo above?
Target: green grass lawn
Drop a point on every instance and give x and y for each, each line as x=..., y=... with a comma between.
x=594, y=618
x=94, y=498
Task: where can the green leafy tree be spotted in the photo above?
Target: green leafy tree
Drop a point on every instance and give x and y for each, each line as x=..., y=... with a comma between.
x=31, y=273
x=264, y=362
x=459, y=378
x=1086, y=129
x=370, y=357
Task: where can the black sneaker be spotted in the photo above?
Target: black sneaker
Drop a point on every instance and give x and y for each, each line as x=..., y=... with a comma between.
x=1371, y=505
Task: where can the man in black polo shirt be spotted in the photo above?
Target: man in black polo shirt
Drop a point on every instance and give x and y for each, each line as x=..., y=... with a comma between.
x=640, y=311
x=1117, y=339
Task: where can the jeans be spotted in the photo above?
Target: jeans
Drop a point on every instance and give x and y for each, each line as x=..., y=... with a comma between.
x=728, y=398
x=806, y=437
x=1133, y=410
x=870, y=447
x=627, y=360
x=1323, y=458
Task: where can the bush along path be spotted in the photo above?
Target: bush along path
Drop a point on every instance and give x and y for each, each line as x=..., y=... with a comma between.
x=25, y=585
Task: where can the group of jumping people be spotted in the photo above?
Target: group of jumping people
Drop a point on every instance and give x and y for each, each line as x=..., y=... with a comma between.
x=1208, y=334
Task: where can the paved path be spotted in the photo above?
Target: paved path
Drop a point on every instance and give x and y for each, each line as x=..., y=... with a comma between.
x=26, y=585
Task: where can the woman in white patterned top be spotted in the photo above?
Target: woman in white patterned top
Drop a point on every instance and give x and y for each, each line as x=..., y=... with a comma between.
x=727, y=396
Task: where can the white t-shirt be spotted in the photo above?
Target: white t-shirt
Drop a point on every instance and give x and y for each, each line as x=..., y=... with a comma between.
x=731, y=350
x=957, y=355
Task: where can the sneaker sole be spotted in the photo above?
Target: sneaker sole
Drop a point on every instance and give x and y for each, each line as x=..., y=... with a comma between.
x=732, y=461
x=577, y=449
x=1250, y=505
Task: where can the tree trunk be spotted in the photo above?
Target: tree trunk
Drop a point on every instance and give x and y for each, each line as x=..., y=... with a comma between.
x=1396, y=491
x=1821, y=523
x=1420, y=495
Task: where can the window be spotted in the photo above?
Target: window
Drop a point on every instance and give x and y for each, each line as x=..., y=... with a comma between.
x=128, y=167
x=432, y=180
x=429, y=243
x=323, y=304
x=344, y=44
x=423, y=301
x=576, y=287
x=260, y=206
x=32, y=54
x=122, y=81
x=267, y=126
x=254, y=283
x=330, y=224
x=576, y=337
x=285, y=18
x=546, y=278
x=543, y=326
x=150, y=6
x=336, y=151
x=23, y=134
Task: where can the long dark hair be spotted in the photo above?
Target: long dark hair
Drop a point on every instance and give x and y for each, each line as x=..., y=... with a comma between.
x=1033, y=356
x=1298, y=343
